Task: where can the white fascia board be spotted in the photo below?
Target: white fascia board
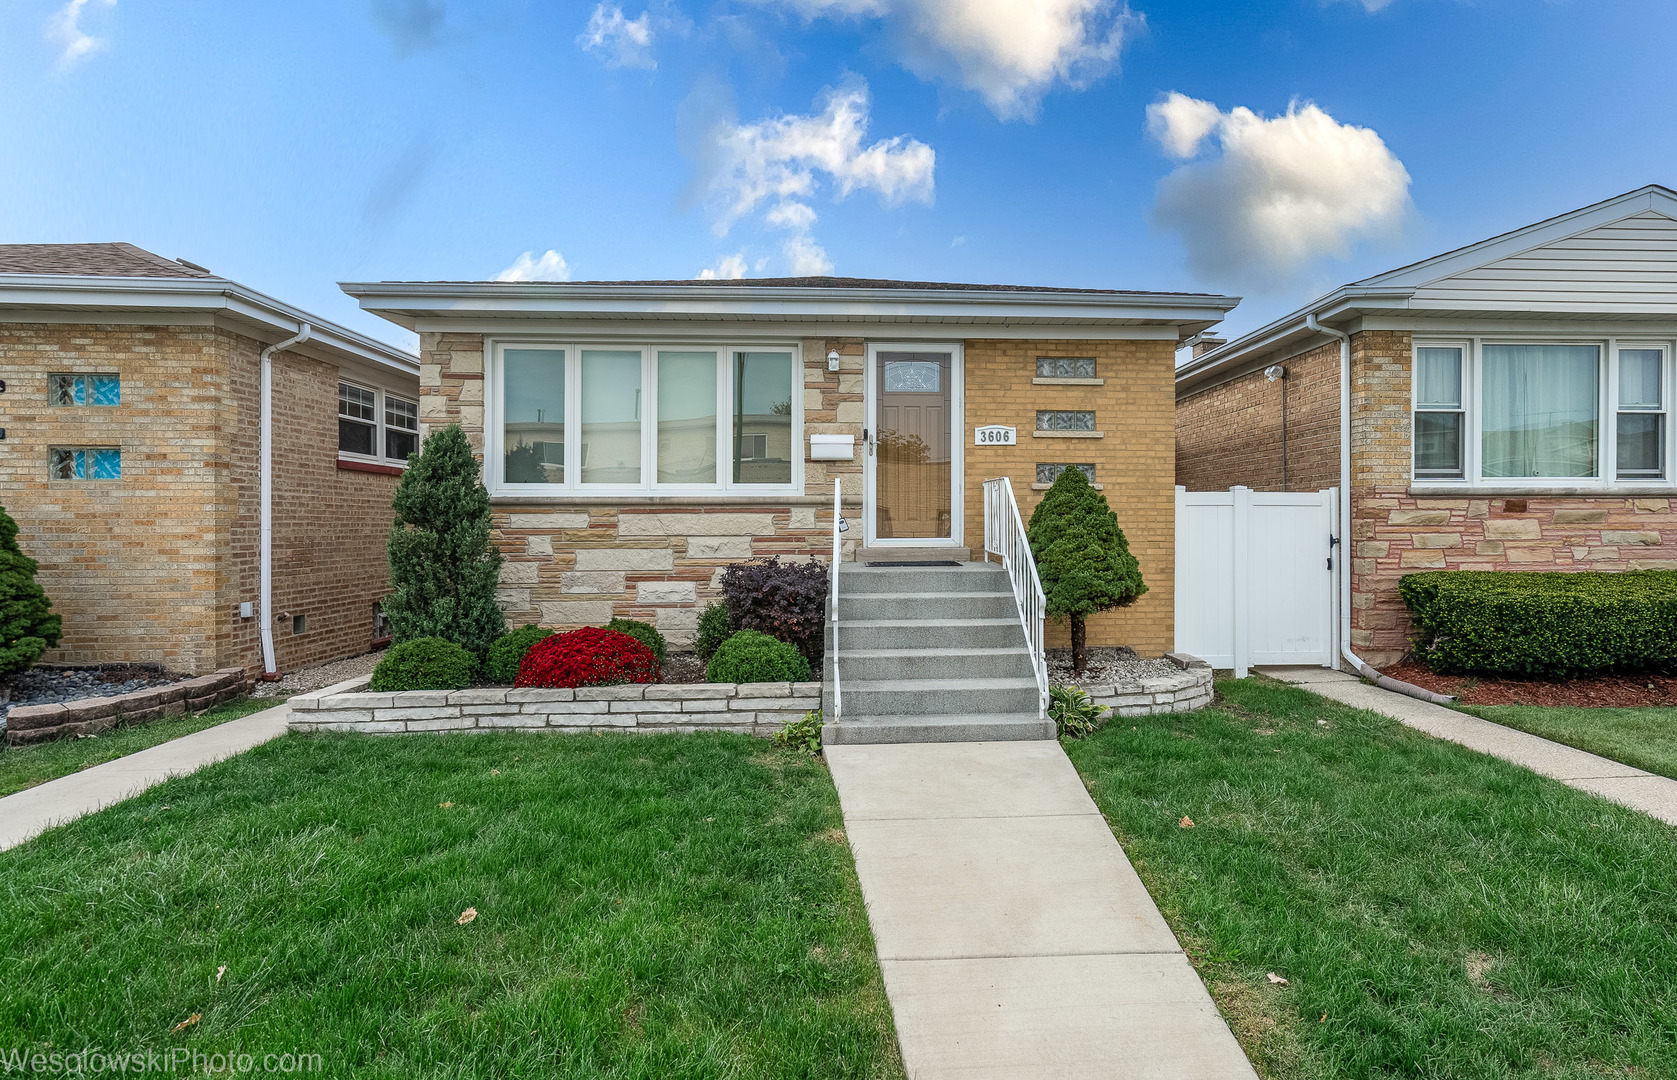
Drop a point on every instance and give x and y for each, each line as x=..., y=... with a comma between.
x=1290, y=332
x=774, y=330
x=154, y=299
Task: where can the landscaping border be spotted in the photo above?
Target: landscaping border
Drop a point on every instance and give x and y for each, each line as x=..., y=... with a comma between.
x=1184, y=692
x=89, y=716
x=744, y=708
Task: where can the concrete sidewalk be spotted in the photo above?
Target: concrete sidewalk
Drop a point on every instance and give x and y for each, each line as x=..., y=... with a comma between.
x=29, y=813
x=1627, y=786
x=1016, y=939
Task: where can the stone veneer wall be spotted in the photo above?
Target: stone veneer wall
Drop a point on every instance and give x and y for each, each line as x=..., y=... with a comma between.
x=152, y=568
x=743, y=708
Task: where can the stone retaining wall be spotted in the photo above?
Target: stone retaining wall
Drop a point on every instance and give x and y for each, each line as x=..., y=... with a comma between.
x=89, y=716
x=744, y=708
x=1183, y=692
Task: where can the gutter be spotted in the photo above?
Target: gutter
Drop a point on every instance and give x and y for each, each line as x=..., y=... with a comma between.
x=265, y=438
x=1344, y=567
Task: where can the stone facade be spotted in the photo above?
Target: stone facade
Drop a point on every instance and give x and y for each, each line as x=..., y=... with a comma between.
x=152, y=568
x=577, y=561
x=1395, y=532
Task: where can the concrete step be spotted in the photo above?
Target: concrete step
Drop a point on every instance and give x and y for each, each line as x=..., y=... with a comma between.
x=935, y=728
x=912, y=554
x=857, y=580
x=921, y=606
x=870, y=698
x=969, y=662
x=952, y=634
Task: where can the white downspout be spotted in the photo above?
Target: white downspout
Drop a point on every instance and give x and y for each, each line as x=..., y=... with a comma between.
x=1344, y=563
x=265, y=441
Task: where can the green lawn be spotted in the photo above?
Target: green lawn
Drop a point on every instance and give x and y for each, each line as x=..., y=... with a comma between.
x=647, y=906
x=25, y=766
x=1437, y=913
x=1645, y=738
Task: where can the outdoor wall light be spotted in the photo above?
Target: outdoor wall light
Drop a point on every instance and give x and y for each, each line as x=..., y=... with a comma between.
x=832, y=360
x=1275, y=371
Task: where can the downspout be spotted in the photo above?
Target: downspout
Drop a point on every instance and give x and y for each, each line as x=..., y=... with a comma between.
x=265, y=468
x=1344, y=565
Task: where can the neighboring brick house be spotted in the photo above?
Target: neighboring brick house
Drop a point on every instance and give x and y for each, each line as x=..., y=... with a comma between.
x=1510, y=407
x=130, y=460
x=640, y=436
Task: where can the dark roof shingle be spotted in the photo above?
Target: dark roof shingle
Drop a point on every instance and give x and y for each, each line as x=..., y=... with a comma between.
x=92, y=260
x=838, y=283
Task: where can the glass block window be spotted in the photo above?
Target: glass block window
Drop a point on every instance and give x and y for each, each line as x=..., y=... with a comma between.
x=401, y=428
x=1047, y=473
x=1065, y=367
x=84, y=463
x=84, y=390
x=1065, y=420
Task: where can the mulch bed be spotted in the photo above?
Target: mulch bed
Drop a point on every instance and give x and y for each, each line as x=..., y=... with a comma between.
x=1613, y=691
x=683, y=667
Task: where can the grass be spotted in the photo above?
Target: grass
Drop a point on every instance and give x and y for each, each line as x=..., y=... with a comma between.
x=1437, y=913
x=1644, y=738
x=647, y=906
x=25, y=766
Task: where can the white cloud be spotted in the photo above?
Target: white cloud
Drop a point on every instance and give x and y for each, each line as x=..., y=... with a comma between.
x=1010, y=52
x=65, y=30
x=1279, y=193
x=783, y=160
x=550, y=267
x=729, y=268
x=620, y=41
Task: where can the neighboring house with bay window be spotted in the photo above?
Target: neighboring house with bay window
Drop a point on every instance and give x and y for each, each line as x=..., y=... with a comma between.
x=637, y=437
x=129, y=456
x=1510, y=407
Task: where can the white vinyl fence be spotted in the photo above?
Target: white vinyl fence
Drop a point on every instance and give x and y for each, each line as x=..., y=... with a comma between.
x=1254, y=577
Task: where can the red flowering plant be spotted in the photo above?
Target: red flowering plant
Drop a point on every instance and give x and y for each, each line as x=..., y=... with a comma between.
x=587, y=657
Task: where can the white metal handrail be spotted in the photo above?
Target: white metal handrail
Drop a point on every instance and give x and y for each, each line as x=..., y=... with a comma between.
x=833, y=599
x=1004, y=536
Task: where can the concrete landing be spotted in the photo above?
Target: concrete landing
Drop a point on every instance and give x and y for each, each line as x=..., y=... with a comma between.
x=1653, y=795
x=27, y=814
x=1015, y=938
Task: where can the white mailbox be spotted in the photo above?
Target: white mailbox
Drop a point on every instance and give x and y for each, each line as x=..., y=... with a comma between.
x=832, y=447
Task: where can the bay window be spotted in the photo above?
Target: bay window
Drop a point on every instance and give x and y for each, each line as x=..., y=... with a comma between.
x=644, y=418
x=1528, y=413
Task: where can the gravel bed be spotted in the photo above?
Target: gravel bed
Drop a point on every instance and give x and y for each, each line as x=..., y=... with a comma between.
x=1107, y=666
x=318, y=677
x=51, y=685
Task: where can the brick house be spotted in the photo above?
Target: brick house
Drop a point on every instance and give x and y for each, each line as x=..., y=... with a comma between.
x=639, y=436
x=1508, y=408
x=131, y=408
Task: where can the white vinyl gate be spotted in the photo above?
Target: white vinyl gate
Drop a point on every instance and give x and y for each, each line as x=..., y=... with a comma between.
x=1254, y=577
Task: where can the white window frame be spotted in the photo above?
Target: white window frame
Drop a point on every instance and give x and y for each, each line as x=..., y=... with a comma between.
x=1607, y=409
x=573, y=487
x=379, y=394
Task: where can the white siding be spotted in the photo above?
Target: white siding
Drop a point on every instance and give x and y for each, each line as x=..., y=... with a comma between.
x=1629, y=265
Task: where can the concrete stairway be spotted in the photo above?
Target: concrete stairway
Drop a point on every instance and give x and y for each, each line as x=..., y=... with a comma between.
x=930, y=654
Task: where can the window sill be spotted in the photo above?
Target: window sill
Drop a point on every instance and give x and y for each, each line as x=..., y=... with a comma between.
x=353, y=465
x=1621, y=491
x=1046, y=380
x=1068, y=434
x=1045, y=487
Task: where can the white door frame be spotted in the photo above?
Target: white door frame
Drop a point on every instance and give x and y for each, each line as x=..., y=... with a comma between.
x=957, y=447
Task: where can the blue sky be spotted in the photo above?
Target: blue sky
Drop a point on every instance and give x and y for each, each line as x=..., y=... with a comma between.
x=291, y=146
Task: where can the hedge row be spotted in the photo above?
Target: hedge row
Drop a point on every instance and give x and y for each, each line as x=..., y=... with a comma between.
x=1494, y=622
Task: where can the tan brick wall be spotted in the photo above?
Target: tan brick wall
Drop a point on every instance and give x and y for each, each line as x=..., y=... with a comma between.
x=1230, y=433
x=1134, y=460
x=152, y=568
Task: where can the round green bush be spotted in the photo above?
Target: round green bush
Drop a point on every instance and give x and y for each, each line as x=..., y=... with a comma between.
x=508, y=652
x=713, y=630
x=643, y=632
x=753, y=656
x=426, y=663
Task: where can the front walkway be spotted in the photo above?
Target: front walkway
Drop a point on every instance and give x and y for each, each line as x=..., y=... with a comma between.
x=1627, y=786
x=1016, y=940
x=29, y=813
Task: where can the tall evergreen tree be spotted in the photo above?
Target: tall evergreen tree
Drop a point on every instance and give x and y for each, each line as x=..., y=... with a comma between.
x=1081, y=555
x=443, y=569
x=27, y=627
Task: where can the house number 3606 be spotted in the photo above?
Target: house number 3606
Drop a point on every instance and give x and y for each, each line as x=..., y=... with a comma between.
x=995, y=435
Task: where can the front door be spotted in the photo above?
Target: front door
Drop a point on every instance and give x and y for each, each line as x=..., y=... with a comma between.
x=913, y=454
